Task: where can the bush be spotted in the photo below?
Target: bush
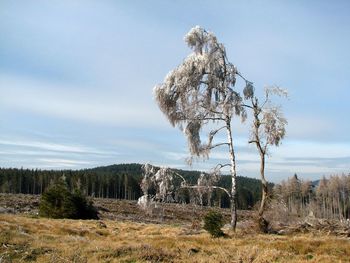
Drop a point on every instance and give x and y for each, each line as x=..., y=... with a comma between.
x=58, y=202
x=213, y=222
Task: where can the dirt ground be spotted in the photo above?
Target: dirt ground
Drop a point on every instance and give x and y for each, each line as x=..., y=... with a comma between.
x=114, y=209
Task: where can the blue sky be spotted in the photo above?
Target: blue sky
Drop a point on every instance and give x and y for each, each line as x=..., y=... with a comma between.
x=76, y=80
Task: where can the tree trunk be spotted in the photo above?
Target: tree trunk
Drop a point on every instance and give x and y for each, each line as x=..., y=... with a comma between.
x=339, y=207
x=209, y=199
x=125, y=187
x=262, y=222
x=233, y=176
x=263, y=184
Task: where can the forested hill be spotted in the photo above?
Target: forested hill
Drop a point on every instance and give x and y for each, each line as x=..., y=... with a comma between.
x=121, y=181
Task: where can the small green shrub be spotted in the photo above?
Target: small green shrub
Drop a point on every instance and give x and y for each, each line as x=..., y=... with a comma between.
x=58, y=202
x=213, y=222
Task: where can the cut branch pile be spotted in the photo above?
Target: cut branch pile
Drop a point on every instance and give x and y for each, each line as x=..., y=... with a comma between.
x=324, y=226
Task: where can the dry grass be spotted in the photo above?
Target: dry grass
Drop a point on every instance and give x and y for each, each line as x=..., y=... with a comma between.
x=24, y=238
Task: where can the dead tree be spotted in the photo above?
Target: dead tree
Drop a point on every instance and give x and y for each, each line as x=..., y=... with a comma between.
x=268, y=129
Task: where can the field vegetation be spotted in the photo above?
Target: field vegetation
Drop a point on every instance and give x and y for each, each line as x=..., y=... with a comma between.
x=173, y=233
x=26, y=238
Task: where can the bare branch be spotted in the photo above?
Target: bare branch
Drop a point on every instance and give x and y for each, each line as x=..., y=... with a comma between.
x=217, y=130
x=218, y=145
x=179, y=175
x=239, y=74
x=247, y=106
x=214, y=187
x=219, y=166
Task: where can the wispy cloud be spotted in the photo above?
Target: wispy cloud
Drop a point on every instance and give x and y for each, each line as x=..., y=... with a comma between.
x=176, y=156
x=45, y=155
x=53, y=162
x=309, y=148
x=75, y=103
x=47, y=146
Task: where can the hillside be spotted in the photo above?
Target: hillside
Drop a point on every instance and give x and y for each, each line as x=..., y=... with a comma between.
x=119, y=181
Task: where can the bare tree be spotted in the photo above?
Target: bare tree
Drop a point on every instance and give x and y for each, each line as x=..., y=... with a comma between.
x=329, y=199
x=200, y=92
x=322, y=194
x=268, y=129
x=306, y=190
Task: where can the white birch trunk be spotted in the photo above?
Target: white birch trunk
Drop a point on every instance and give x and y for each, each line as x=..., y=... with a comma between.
x=233, y=176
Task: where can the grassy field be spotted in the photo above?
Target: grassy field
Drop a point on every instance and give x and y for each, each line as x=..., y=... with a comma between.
x=25, y=239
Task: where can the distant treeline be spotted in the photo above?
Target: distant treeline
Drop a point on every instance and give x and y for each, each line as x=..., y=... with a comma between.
x=120, y=181
x=326, y=198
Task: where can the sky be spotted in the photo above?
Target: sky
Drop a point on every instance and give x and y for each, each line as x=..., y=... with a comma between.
x=76, y=81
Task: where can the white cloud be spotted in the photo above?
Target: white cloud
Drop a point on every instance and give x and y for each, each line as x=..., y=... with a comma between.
x=177, y=156
x=54, y=162
x=46, y=146
x=77, y=103
x=309, y=127
x=18, y=146
x=308, y=149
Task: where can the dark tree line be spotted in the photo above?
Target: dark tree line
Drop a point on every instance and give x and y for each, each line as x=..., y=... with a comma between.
x=117, y=181
x=120, y=182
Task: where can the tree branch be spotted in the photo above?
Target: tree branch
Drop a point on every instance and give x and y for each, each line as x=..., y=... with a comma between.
x=214, y=187
x=213, y=119
x=222, y=165
x=211, y=110
x=239, y=74
x=266, y=100
x=213, y=132
x=247, y=106
x=179, y=175
x=218, y=144
x=204, y=119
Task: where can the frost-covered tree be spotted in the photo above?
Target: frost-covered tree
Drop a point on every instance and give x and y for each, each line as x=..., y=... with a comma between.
x=162, y=182
x=268, y=129
x=201, y=92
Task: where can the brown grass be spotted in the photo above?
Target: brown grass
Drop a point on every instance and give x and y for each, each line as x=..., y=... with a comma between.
x=28, y=239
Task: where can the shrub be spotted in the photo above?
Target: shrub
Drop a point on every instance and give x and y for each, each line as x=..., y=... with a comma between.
x=58, y=202
x=213, y=222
